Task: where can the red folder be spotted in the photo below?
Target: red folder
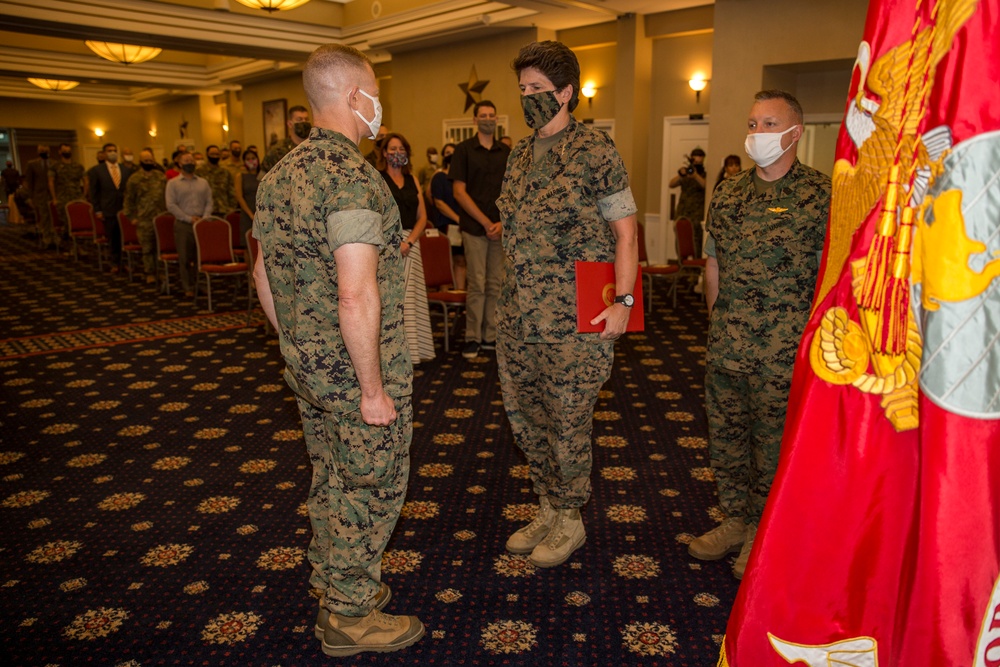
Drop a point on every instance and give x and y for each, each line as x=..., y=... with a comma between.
x=595, y=291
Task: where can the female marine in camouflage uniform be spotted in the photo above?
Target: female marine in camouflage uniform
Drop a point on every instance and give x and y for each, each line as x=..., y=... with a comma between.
x=565, y=198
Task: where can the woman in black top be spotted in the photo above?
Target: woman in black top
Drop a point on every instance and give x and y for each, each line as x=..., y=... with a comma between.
x=394, y=165
x=246, y=190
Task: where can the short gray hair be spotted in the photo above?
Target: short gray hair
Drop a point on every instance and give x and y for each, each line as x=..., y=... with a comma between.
x=789, y=99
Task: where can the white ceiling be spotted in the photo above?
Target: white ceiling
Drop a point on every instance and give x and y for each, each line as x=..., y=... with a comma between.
x=210, y=46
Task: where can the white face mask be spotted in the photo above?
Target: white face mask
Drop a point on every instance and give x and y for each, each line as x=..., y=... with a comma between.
x=375, y=123
x=764, y=148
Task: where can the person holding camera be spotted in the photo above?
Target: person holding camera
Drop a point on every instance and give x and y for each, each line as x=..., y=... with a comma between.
x=691, y=180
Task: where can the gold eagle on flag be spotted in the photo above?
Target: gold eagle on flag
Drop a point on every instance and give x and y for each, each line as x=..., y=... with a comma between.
x=895, y=167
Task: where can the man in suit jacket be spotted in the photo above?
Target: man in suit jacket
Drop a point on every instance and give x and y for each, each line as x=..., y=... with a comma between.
x=107, y=194
x=36, y=179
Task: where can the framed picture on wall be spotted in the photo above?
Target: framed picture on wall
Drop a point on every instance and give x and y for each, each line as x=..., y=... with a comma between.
x=275, y=115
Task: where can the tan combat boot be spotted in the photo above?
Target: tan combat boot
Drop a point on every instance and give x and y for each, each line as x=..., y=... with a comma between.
x=566, y=536
x=377, y=632
x=740, y=566
x=528, y=537
x=724, y=539
x=323, y=617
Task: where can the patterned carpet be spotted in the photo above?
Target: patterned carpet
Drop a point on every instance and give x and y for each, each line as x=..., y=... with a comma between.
x=152, y=479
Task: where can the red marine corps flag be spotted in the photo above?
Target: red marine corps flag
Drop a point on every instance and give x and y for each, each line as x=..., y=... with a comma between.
x=880, y=544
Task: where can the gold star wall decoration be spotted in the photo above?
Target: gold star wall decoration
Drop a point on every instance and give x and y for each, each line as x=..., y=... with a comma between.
x=473, y=89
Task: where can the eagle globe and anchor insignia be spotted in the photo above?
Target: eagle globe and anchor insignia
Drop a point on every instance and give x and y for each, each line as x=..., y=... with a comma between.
x=936, y=244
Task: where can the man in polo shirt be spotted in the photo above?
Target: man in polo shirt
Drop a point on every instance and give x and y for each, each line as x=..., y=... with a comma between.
x=477, y=169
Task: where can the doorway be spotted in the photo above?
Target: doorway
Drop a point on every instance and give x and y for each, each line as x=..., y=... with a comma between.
x=681, y=135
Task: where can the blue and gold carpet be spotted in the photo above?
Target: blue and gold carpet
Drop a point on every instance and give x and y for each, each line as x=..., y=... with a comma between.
x=153, y=477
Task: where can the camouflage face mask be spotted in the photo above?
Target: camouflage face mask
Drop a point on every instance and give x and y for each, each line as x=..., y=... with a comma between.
x=540, y=108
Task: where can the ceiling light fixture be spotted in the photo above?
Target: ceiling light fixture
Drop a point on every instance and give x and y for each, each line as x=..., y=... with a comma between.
x=127, y=54
x=53, y=84
x=272, y=5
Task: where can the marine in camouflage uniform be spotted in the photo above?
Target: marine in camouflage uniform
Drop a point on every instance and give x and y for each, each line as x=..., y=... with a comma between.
x=144, y=200
x=767, y=239
x=692, y=206
x=324, y=196
x=36, y=180
x=223, y=189
x=556, y=207
x=275, y=153
x=67, y=179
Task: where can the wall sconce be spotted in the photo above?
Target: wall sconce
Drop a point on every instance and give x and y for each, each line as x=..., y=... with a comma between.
x=99, y=132
x=152, y=133
x=588, y=91
x=225, y=127
x=698, y=84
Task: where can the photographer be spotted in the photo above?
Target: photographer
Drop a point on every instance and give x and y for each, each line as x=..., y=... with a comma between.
x=691, y=180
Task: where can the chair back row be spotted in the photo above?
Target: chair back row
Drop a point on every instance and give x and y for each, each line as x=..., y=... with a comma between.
x=684, y=232
x=130, y=233
x=163, y=227
x=80, y=215
x=684, y=236
x=436, y=254
x=233, y=218
x=214, y=239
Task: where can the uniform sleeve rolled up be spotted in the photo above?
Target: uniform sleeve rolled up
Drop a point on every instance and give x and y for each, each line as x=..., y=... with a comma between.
x=354, y=226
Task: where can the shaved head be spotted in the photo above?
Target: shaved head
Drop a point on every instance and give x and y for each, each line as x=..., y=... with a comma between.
x=332, y=70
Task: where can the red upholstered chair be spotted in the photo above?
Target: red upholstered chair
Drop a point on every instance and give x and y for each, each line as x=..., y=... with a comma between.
x=650, y=271
x=130, y=242
x=166, y=247
x=436, y=254
x=684, y=235
x=80, y=216
x=101, y=242
x=214, y=242
x=239, y=243
x=57, y=226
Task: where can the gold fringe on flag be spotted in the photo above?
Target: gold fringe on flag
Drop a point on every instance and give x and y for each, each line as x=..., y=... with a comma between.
x=896, y=303
x=880, y=251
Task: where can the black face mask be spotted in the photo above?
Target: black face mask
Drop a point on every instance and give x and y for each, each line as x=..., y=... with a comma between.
x=67, y=154
x=213, y=160
x=302, y=129
x=189, y=167
x=148, y=166
x=44, y=155
x=235, y=152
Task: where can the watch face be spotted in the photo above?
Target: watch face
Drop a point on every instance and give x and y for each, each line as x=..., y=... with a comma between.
x=626, y=300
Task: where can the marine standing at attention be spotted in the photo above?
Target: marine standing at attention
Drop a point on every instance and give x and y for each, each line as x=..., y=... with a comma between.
x=565, y=198
x=330, y=277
